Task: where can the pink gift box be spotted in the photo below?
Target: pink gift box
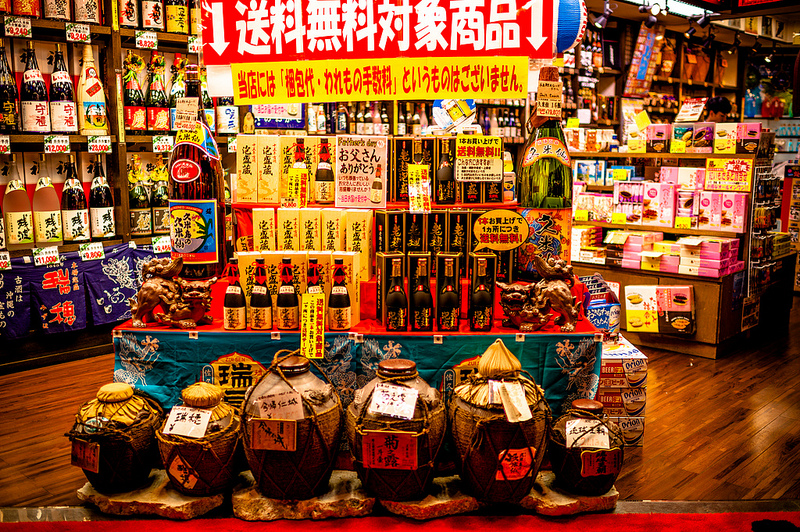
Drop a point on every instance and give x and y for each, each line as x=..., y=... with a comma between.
x=687, y=270
x=734, y=211
x=720, y=245
x=633, y=264
x=659, y=204
x=670, y=260
x=668, y=174
x=668, y=268
x=709, y=272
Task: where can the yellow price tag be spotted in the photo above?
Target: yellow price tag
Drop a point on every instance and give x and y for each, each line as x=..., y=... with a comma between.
x=581, y=215
x=312, y=326
x=573, y=122
x=298, y=186
x=677, y=146
x=683, y=222
x=618, y=218
x=642, y=121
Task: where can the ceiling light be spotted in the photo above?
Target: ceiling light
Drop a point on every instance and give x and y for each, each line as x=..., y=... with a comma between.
x=654, y=9
x=651, y=21
x=704, y=20
x=691, y=31
x=771, y=55
x=735, y=46
x=757, y=46
x=602, y=20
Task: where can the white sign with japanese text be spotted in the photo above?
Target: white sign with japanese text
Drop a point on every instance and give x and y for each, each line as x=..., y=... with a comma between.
x=393, y=400
x=284, y=405
x=187, y=421
x=589, y=433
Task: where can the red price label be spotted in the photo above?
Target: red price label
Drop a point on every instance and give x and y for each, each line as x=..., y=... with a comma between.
x=5, y=260
x=18, y=27
x=56, y=144
x=78, y=33
x=45, y=256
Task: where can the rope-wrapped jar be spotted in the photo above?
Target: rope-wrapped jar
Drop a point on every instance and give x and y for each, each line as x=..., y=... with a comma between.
x=394, y=457
x=499, y=458
x=122, y=421
x=582, y=466
x=204, y=465
x=292, y=458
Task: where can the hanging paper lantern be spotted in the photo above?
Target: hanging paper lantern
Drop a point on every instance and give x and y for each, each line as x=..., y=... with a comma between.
x=572, y=19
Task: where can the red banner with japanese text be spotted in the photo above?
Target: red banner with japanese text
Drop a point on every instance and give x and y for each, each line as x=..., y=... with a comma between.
x=253, y=31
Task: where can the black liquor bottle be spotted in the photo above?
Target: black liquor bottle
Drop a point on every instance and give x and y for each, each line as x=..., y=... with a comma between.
x=480, y=298
x=339, y=313
x=421, y=299
x=234, y=306
x=288, y=302
x=260, y=299
x=396, y=301
x=448, y=304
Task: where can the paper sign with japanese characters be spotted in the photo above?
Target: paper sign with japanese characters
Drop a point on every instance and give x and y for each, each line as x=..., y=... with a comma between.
x=389, y=450
x=601, y=462
x=312, y=325
x=393, y=400
x=586, y=433
x=284, y=405
x=361, y=167
x=274, y=30
x=515, y=464
x=479, y=158
x=419, y=188
x=85, y=455
x=730, y=175
x=273, y=434
x=187, y=421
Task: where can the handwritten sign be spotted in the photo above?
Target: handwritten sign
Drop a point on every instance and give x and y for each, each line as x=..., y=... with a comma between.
x=312, y=326
x=729, y=175
x=587, y=433
x=393, y=400
x=419, y=188
x=273, y=434
x=163, y=143
x=85, y=455
x=515, y=464
x=5, y=260
x=691, y=110
x=389, y=450
x=186, y=113
x=515, y=405
x=361, y=169
x=284, y=405
x=187, y=421
x=146, y=40
x=78, y=32
x=232, y=144
x=548, y=99
x=18, y=27
x=45, y=256
x=99, y=144
x=195, y=44
x=500, y=230
x=298, y=186
x=56, y=144
x=92, y=251
x=479, y=158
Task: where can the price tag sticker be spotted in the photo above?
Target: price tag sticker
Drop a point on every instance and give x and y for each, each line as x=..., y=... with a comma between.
x=45, y=256
x=573, y=122
x=5, y=144
x=587, y=433
x=298, y=186
x=290, y=203
x=85, y=455
x=683, y=222
x=5, y=260
x=100, y=144
x=18, y=27
x=195, y=44
x=186, y=113
x=619, y=218
x=393, y=400
x=284, y=405
x=78, y=32
x=162, y=244
x=146, y=40
x=92, y=251
x=163, y=143
x=187, y=421
x=232, y=144
x=581, y=215
x=56, y=144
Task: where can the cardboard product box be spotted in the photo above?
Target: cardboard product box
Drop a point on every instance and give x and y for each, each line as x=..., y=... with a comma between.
x=622, y=365
x=668, y=247
x=710, y=216
x=658, y=138
x=286, y=160
x=632, y=264
x=358, y=238
x=688, y=270
x=287, y=233
x=332, y=224
x=651, y=264
x=632, y=429
x=734, y=212
x=623, y=401
x=440, y=281
x=473, y=216
x=473, y=192
x=725, y=137
x=682, y=137
x=641, y=308
x=659, y=204
x=458, y=235
x=415, y=232
x=670, y=260
x=272, y=262
x=383, y=282
x=669, y=267
x=506, y=265
x=314, y=146
x=269, y=173
x=748, y=136
x=644, y=237
x=310, y=229
x=390, y=230
x=351, y=267
x=403, y=150
x=414, y=261
x=703, y=140
x=437, y=231
x=493, y=192
x=442, y=145
x=710, y=272
x=245, y=189
x=247, y=262
x=604, y=315
x=668, y=174
x=691, y=178
x=613, y=261
x=264, y=229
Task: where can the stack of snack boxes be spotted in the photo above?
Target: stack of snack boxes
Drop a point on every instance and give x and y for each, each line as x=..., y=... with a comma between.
x=709, y=257
x=636, y=243
x=623, y=388
x=587, y=244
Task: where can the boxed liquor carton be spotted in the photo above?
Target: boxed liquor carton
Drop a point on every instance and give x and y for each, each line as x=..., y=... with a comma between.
x=408, y=150
x=332, y=223
x=630, y=401
x=310, y=230
x=443, y=147
x=436, y=225
x=288, y=230
x=269, y=174
x=458, y=233
x=725, y=137
x=245, y=188
x=351, y=268
x=493, y=192
x=472, y=192
x=447, y=322
x=286, y=160
x=414, y=232
x=383, y=275
x=632, y=429
x=264, y=229
x=622, y=365
x=358, y=238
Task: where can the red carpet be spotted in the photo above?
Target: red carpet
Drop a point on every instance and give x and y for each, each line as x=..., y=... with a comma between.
x=733, y=522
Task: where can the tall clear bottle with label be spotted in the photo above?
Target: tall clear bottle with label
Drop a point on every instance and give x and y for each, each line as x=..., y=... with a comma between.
x=63, y=109
x=74, y=208
x=33, y=96
x=177, y=16
x=47, y=210
x=92, y=110
x=260, y=299
x=17, y=211
x=101, y=205
x=234, y=306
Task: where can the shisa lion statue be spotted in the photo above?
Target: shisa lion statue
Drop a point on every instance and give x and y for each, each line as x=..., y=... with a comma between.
x=528, y=307
x=186, y=304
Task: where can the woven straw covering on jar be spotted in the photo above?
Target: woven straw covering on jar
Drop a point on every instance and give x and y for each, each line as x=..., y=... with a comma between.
x=115, y=392
x=202, y=466
x=125, y=431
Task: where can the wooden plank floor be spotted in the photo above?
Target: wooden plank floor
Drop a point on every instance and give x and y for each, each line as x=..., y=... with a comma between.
x=726, y=429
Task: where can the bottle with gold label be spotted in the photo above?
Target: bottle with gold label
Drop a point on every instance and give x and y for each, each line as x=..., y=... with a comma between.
x=339, y=312
x=47, y=211
x=396, y=301
x=92, y=111
x=376, y=193
x=260, y=299
x=234, y=307
x=480, y=300
x=177, y=16
x=287, y=302
x=75, y=209
x=421, y=299
x=448, y=304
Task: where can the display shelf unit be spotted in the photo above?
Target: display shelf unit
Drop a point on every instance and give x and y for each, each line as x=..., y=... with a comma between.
x=669, y=230
x=627, y=155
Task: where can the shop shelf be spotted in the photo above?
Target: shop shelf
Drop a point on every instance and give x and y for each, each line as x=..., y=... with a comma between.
x=670, y=230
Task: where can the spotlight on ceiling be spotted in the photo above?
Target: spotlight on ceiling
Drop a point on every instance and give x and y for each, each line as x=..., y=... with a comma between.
x=651, y=21
x=735, y=46
x=709, y=39
x=691, y=31
x=771, y=55
x=757, y=46
x=704, y=20
x=602, y=20
x=653, y=9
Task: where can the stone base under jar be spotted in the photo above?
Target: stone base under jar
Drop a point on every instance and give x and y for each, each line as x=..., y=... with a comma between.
x=445, y=498
x=345, y=498
x=553, y=501
x=157, y=498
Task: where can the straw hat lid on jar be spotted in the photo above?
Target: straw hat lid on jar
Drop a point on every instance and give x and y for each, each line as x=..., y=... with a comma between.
x=115, y=392
x=208, y=396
